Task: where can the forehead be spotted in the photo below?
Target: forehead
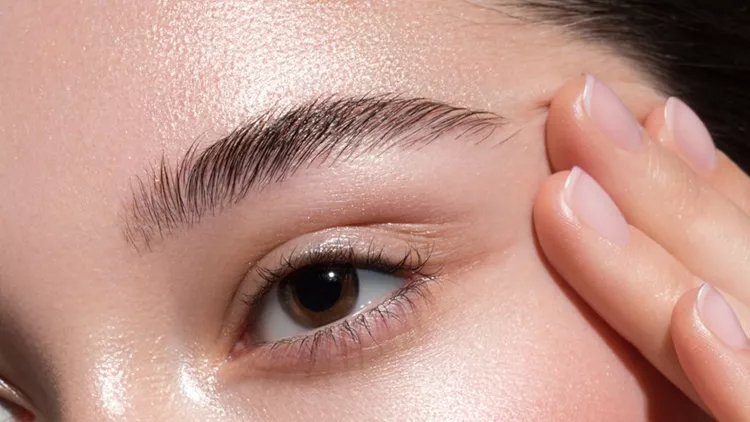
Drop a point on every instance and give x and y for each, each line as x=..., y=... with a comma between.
x=164, y=71
x=92, y=93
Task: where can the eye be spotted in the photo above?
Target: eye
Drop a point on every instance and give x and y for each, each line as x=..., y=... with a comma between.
x=323, y=303
x=5, y=412
x=12, y=413
x=317, y=295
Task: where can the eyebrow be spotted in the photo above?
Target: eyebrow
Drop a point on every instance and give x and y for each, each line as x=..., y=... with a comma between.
x=271, y=147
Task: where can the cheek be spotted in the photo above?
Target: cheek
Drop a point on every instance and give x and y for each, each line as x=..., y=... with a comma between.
x=516, y=344
x=520, y=345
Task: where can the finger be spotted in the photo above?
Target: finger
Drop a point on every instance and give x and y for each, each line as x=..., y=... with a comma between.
x=656, y=191
x=714, y=352
x=627, y=278
x=681, y=131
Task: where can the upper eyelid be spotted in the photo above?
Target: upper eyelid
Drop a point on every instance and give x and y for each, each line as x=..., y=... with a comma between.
x=272, y=146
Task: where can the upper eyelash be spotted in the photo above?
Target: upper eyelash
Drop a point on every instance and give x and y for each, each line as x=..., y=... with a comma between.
x=414, y=261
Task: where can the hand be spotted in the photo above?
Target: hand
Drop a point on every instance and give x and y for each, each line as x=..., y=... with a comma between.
x=638, y=220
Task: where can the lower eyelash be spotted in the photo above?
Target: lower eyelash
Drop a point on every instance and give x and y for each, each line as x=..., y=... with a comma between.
x=348, y=338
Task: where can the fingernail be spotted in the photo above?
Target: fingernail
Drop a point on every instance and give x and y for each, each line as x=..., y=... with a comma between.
x=719, y=318
x=591, y=204
x=610, y=115
x=690, y=135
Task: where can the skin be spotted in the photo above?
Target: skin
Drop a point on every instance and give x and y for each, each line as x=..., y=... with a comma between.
x=91, y=330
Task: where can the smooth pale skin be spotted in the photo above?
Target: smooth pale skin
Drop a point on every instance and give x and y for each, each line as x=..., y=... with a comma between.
x=91, y=93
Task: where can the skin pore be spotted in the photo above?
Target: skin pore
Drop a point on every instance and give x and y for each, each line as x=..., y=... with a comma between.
x=94, y=326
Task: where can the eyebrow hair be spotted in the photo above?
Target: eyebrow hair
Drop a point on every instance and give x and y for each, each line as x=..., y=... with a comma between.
x=272, y=146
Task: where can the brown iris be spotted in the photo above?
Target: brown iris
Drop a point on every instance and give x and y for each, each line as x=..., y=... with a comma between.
x=319, y=294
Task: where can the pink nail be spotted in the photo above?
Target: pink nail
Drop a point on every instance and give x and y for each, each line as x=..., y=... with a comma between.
x=610, y=115
x=719, y=318
x=690, y=135
x=591, y=204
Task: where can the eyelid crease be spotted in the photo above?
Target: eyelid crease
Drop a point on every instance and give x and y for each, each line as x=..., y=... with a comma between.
x=273, y=146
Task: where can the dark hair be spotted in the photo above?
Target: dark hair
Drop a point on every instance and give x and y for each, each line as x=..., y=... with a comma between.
x=698, y=50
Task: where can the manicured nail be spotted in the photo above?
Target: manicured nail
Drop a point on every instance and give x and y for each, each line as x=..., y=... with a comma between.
x=591, y=204
x=717, y=315
x=690, y=135
x=610, y=115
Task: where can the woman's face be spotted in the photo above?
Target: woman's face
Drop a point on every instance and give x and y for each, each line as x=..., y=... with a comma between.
x=131, y=292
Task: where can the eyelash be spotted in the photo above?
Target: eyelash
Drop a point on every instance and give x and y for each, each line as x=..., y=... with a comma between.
x=346, y=337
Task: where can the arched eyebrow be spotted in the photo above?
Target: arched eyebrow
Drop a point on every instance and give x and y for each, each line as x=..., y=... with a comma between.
x=273, y=146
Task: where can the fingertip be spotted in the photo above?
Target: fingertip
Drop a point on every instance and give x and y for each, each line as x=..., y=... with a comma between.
x=553, y=222
x=569, y=96
x=711, y=348
x=655, y=125
x=712, y=316
x=588, y=116
x=591, y=118
x=684, y=317
x=564, y=123
x=550, y=203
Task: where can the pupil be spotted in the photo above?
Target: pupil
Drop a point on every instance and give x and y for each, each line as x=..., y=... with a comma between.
x=319, y=288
